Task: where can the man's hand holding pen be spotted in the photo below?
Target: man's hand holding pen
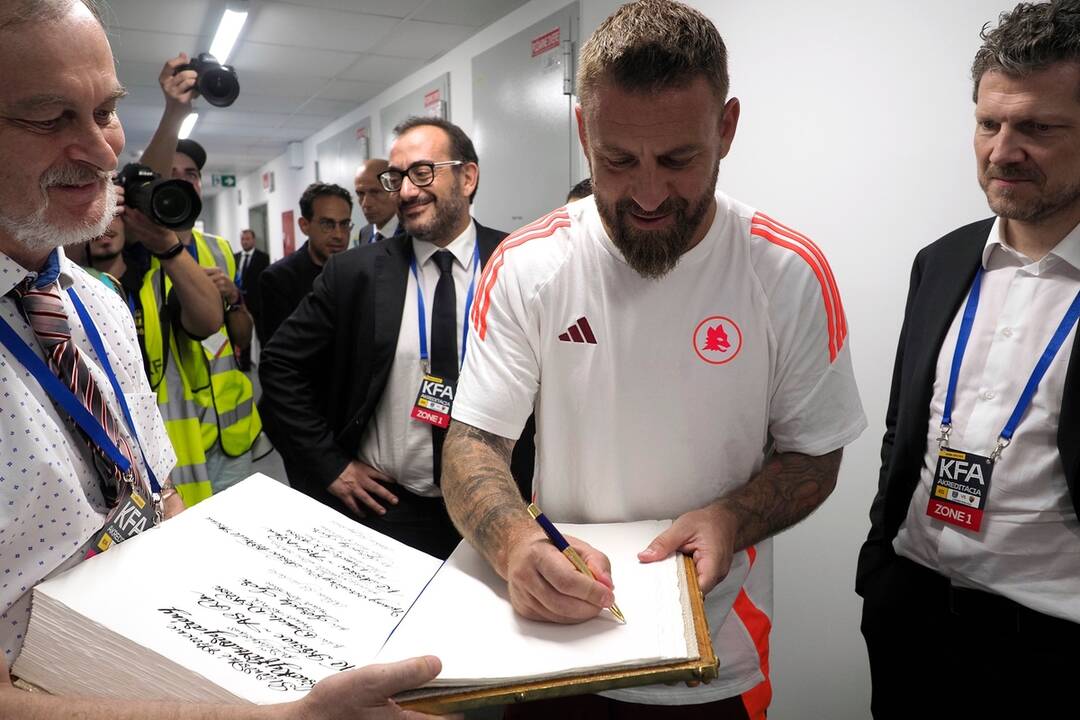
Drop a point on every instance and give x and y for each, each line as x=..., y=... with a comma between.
x=544, y=586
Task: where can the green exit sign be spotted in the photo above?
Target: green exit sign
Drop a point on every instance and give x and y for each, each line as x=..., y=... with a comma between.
x=224, y=181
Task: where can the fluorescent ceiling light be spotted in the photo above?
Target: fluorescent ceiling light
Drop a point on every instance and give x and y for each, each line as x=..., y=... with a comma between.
x=187, y=126
x=227, y=33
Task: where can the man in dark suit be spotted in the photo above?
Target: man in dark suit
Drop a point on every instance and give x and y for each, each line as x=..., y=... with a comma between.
x=357, y=382
x=973, y=557
x=325, y=211
x=379, y=206
x=250, y=262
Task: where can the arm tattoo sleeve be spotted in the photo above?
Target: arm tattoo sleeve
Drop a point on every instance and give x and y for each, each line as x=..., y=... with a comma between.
x=787, y=489
x=480, y=493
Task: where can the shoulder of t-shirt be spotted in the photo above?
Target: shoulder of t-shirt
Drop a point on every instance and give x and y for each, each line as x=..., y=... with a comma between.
x=527, y=259
x=794, y=273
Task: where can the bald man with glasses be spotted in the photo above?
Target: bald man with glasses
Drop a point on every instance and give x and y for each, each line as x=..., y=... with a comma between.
x=358, y=382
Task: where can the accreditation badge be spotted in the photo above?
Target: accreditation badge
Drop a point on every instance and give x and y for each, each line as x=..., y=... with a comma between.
x=961, y=484
x=434, y=401
x=133, y=515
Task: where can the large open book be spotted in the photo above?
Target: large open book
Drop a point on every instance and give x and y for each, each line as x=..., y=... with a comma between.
x=259, y=592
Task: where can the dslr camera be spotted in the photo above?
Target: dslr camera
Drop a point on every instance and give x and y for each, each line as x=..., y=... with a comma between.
x=171, y=203
x=216, y=82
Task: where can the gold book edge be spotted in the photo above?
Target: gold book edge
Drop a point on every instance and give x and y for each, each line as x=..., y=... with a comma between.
x=702, y=669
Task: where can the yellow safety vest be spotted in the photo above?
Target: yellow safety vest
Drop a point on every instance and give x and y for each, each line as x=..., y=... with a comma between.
x=203, y=396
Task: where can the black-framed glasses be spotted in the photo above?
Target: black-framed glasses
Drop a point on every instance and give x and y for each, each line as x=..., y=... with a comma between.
x=328, y=225
x=420, y=174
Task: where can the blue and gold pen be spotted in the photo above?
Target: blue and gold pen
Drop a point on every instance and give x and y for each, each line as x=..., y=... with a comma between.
x=564, y=547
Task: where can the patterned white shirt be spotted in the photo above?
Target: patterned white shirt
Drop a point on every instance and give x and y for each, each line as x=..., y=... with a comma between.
x=50, y=497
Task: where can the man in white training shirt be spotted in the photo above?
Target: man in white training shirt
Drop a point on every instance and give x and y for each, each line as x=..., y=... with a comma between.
x=686, y=356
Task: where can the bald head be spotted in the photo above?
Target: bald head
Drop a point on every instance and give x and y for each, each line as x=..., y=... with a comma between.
x=17, y=12
x=55, y=186
x=377, y=205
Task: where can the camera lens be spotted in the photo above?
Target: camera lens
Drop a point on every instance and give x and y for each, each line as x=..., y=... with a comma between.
x=171, y=205
x=174, y=204
x=219, y=85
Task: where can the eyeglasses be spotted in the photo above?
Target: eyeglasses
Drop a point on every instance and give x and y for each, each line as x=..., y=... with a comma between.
x=420, y=174
x=328, y=225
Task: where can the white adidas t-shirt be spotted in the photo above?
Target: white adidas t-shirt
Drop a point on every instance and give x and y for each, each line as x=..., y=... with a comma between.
x=656, y=397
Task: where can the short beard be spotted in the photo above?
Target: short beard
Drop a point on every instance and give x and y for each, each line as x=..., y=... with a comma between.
x=448, y=213
x=655, y=253
x=35, y=233
x=1035, y=210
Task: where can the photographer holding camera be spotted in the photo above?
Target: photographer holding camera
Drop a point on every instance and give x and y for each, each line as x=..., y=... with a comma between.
x=206, y=399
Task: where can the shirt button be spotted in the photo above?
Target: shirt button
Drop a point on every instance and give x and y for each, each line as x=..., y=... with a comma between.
x=1007, y=332
x=989, y=395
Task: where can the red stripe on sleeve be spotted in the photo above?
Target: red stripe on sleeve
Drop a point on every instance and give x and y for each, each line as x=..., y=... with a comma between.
x=829, y=294
x=540, y=229
x=834, y=287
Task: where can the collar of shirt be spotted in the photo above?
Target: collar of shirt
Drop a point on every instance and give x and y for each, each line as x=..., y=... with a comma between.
x=462, y=248
x=12, y=273
x=389, y=228
x=1068, y=250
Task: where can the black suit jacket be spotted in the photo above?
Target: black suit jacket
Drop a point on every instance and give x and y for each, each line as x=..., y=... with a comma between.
x=282, y=286
x=249, y=286
x=326, y=367
x=940, y=280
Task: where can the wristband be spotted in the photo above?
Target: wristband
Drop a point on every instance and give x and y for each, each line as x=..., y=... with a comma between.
x=170, y=253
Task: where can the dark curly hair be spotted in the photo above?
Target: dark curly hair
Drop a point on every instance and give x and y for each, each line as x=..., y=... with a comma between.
x=1030, y=37
x=318, y=190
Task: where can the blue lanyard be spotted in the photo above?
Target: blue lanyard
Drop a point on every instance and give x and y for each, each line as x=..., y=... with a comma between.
x=63, y=396
x=1032, y=385
x=468, y=306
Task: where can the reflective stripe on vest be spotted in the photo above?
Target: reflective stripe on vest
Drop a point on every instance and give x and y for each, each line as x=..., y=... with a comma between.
x=202, y=401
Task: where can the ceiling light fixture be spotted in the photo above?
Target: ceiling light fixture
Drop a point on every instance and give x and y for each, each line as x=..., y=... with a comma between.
x=187, y=126
x=227, y=33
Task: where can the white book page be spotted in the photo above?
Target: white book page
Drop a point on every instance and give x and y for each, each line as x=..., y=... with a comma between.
x=260, y=589
x=465, y=617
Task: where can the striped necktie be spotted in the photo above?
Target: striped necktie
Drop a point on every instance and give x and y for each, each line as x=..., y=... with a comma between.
x=44, y=310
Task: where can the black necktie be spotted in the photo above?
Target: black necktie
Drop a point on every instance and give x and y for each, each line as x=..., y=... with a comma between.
x=444, y=362
x=376, y=236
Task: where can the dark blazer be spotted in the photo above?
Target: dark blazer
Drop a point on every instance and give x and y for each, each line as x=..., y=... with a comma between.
x=282, y=286
x=940, y=280
x=249, y=284
x=326, y=367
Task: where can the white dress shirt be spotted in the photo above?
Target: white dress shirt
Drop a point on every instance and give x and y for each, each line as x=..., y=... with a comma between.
x=393, y=442
x=389, y=228
x=1027, y=549
x=50, y=495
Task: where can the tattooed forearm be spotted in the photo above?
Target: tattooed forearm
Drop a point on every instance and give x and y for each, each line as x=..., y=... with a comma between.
x=481, y=496
x=786, y=490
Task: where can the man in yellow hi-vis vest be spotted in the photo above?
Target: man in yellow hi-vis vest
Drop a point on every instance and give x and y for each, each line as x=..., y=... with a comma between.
x=206, y=401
